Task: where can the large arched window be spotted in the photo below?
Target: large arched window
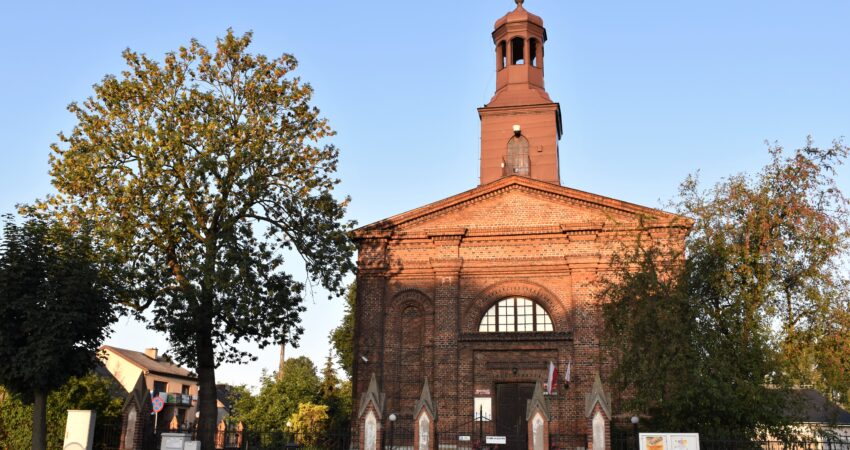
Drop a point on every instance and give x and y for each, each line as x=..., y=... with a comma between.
x=517, y=161
x=515, y=314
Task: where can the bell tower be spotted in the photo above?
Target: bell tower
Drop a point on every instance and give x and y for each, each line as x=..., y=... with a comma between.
x=521, y=125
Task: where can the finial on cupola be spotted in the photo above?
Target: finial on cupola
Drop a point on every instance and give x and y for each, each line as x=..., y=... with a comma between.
x=519, y=2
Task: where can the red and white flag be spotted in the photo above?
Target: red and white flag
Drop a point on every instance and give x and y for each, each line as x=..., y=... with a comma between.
x=569, y=369
x=552, y=382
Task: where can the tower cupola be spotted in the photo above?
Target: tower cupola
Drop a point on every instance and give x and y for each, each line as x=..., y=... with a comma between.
x=521, y=125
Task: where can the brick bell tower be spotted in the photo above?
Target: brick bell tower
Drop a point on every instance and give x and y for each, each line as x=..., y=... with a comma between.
x=521, y=126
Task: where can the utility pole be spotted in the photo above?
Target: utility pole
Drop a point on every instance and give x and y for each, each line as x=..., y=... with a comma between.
x=282, y=355
x=282, y=359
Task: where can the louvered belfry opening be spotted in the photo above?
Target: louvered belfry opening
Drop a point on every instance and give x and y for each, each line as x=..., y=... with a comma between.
x=517, y=160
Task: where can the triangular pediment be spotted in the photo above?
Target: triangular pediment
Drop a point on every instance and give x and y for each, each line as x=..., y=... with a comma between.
x=521, y=202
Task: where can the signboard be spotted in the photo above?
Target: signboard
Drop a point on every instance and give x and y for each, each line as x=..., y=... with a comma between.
x=496, y=440
x=482, y=392
x=157, y=404
x=669, y=441
x=464, y=438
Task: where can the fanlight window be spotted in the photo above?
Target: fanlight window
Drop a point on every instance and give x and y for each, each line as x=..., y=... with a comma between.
x=515, y=314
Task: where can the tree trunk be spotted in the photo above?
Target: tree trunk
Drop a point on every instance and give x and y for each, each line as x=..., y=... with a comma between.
x=207, y=393
x=39, y=421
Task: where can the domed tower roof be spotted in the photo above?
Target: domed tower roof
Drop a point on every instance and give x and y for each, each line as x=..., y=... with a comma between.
x=519, y=15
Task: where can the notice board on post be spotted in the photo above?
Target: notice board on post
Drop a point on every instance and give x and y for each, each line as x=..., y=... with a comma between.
x=669, y=441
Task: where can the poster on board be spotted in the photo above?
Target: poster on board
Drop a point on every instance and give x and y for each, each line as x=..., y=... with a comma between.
x=669, y=441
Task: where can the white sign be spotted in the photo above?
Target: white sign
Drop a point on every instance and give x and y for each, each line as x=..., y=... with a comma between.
x=483, y=409
x=669, y=441
x=495, y=440
x=464, y=438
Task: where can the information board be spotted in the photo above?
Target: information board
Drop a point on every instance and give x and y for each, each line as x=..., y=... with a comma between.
x=669, y=441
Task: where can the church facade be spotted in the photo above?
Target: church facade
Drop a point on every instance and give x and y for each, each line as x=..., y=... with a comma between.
x=484, y=293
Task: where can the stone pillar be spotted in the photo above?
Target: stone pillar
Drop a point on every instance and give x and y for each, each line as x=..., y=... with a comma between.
x=538, y=414
x=79, y=429
x=598, y=413
x=370, y=416
x=424, y=418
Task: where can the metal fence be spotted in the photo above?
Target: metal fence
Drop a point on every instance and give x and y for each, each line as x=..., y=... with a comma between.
x=108, y=437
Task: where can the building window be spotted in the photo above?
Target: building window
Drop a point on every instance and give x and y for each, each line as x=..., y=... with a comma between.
x=517, y=161
x=532, y=52
x=515, y=314
x=185, y=389
x=517, y=50
x=160, y=386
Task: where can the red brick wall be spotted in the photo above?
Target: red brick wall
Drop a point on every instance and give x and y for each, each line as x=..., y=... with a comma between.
x=425, y=282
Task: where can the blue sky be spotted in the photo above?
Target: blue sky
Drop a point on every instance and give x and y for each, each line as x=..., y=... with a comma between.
x=649, y=91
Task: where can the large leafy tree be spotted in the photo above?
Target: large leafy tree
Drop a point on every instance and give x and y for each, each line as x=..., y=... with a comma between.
x=90, y=391
x=55, y=308
x=759, y=301
x=203, y=172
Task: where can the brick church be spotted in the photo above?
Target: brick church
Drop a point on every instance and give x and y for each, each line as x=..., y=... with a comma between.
x=483, y=293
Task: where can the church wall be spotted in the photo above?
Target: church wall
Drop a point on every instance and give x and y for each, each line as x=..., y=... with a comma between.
x=420, y=301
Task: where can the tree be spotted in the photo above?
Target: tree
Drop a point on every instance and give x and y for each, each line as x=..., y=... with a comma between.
x=336, y=395
x=279, y=397
x=758, y=302
x=309, y=423
x=86, y=392
x=203, y=173
x=49, y=275
x=342, y=337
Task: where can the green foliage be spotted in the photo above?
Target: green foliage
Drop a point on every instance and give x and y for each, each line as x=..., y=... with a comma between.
x=309, y=423
x=87, y=392
x=336, y=395
x=55, y=307
x=707, y=342
x=49, y=275
x=342, y=337
x=279, y=398
x=202, y=172
x=241, y=402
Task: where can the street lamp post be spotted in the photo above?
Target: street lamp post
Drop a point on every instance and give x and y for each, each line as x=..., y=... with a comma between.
x=393, y=417
x=635, y=421
x=289, y=441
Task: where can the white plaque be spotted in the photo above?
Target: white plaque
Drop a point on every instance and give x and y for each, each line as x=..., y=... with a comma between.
x=496, y=440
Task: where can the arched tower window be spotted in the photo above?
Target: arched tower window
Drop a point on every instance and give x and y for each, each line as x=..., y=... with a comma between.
x=517, y=161
x=503, y=52
x=532, y=52
x=515, y=314
x=517, y=50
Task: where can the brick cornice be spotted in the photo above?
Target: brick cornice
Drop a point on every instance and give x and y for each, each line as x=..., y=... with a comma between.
x=650, y=217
